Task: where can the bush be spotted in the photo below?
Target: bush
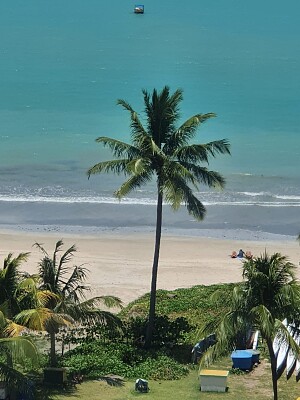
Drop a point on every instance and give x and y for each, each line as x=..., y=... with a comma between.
x=165, y=330
x=161, y=368
x=96, y=359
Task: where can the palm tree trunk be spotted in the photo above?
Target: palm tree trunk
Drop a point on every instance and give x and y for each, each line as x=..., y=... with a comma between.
x=273, y=368
x=151, y=317
x=52, y=350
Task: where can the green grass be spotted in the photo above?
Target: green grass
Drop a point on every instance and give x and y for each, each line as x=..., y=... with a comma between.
x=255, y=385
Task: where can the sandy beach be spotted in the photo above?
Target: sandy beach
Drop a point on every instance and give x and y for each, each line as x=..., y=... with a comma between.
x=120, y=264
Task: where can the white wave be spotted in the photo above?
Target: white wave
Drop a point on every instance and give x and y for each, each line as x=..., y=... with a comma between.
x=285, y=197
x=70, y=200
x=250, y=203
x=243, y=174
x=255, y=194
x=133, y=201
x=275, y=196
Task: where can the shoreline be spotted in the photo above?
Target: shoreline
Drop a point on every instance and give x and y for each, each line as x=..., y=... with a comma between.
x=92, y=231
x=120, y=261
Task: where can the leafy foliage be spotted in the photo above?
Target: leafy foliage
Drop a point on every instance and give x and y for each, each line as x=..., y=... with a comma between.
x=96, y=359
x=194, y=304
x=165, y=331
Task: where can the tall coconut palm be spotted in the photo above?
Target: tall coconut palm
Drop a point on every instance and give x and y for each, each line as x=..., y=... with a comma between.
x=162, y=150
x=269, y=295
x=67, y=303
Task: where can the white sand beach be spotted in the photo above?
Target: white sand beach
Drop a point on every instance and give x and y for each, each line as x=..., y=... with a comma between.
x=120, y=264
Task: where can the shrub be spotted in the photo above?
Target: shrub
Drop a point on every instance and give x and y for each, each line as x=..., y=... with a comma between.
x=165, y=330
x=96, y=359
x=161, y=368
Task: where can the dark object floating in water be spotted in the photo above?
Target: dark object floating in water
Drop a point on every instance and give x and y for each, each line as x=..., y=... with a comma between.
x=139, y=9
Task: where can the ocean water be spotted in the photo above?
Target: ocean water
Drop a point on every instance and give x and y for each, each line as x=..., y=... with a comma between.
x=65, y=63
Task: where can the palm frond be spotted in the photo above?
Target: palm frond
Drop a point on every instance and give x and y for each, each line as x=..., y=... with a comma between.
x=10, y=275
x=186, y=132
x=107, y=301
x=73, y=285
x=205, y=176
x=119, y=148
x=5, y=308
x=64, y=259
x=17, y=261
x=20, y=347
x=15, y=379
x=42, y=319
x=197, y=153
x=177, y=191
x=116, y=166
x=41, y=248
x=134, y=182
x=12, y=329
x=162, y=111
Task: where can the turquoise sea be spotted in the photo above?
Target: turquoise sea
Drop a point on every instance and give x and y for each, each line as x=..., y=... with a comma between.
x=65, y=63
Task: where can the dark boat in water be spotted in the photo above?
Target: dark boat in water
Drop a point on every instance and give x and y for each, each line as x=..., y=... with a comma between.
x=139, y=9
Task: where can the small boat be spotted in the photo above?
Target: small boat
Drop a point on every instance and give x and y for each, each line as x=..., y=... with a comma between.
x=139, y=9
x=282, y=359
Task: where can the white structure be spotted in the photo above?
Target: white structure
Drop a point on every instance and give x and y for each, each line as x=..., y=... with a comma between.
x=213, y=380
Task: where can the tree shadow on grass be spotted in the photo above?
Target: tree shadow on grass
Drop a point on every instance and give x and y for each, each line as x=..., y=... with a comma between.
x=46, y=392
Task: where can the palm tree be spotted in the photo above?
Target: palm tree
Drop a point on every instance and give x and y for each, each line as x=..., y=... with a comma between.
x=10, y=278
x=16, y=348
x=18, y=295
x=269, y=295
x=64, y=302
x=162, y=150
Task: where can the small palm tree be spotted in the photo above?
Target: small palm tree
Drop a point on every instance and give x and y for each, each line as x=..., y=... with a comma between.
x=163, y=151
x=17, y=348
x=10, y=278
x=64, y=301
x=269, y=295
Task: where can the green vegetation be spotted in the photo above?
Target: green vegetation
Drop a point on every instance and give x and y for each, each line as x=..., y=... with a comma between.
x=269, y=294
x=115, y=353
x=64, y=297
x=42, y=302
x=95, y=359
x=166, y=152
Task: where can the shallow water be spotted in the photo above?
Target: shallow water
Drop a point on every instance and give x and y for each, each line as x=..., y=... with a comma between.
x=64, y=65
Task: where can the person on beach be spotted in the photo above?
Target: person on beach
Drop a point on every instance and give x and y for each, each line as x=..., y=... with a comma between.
x=240, y=254
x=248, y=255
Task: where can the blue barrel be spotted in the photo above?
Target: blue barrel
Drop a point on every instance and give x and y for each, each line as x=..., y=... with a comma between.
x=255, y=356
x=242, y=359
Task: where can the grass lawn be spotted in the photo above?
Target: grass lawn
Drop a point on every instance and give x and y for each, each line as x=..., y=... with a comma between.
x=255, y=385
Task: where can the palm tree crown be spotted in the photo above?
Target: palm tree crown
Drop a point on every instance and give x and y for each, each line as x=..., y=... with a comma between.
x=162, y=150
